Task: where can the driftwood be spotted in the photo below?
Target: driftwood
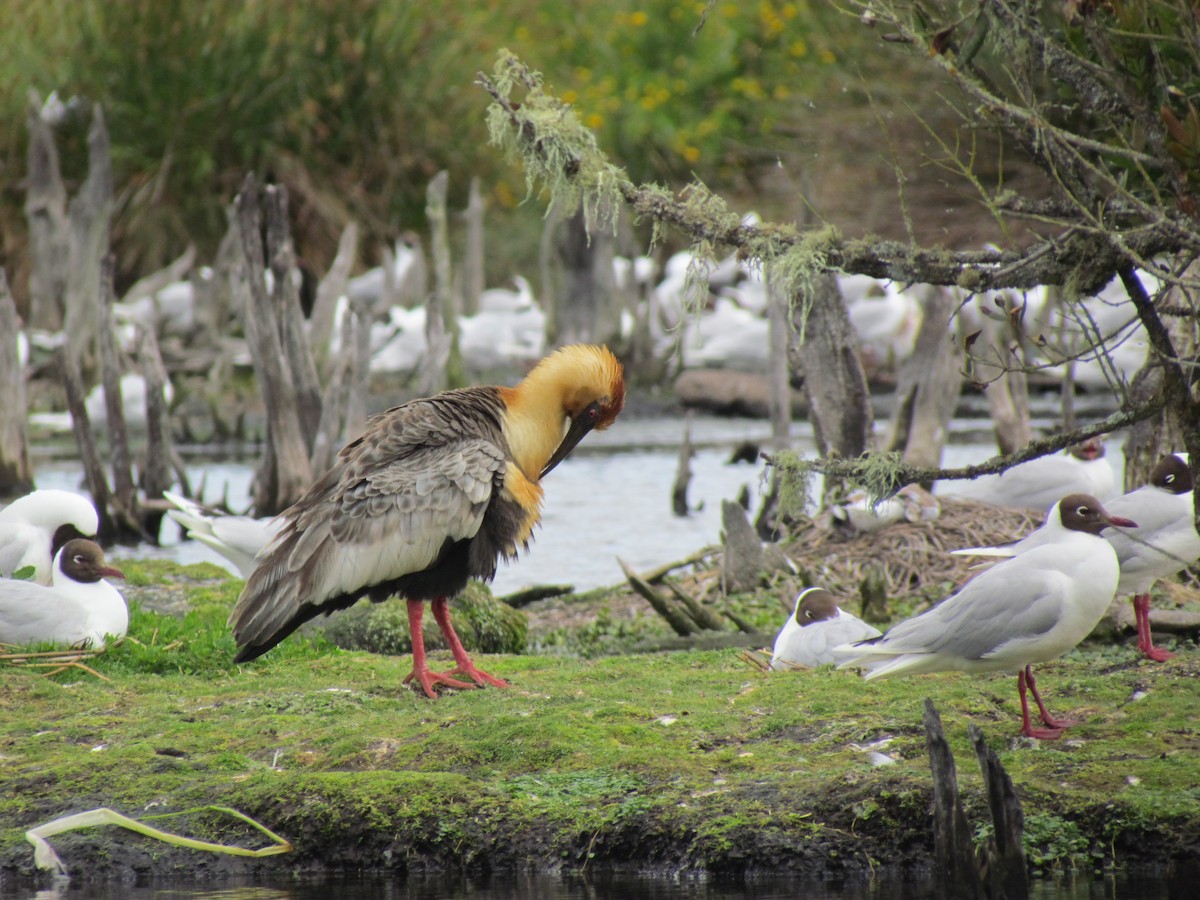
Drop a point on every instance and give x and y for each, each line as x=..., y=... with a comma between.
x=683, y=471
x=16, y=472
x=472, y=267
x=928, y=386
x=654, y=576
x=585, y=302
x=90, y=213
x=285, y=471
x=160, y=458
x=1001, y=873
x=286, y=299
x=744, y=560
x=957, y=876
x=124, y=495
x=698, y=612
x=825, y=352
x=49, y=228
x=779, y=391
x=329, y=289
x=678, y=621
x=520, y=599
x=441, y=365
x=724, y=392
x=705, y=640
x=93, y=469
x=1007, y=388
x=1004, y=871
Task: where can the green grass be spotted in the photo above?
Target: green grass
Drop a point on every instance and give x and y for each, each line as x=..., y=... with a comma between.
x=687, y=758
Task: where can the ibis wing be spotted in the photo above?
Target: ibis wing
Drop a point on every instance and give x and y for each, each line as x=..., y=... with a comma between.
x=418, y=480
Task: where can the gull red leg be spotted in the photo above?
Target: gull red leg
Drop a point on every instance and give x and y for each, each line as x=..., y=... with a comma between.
x=1027, y=729
x=1044, y=713
x=1141, y=615
x=441, y=612
x=420, y=670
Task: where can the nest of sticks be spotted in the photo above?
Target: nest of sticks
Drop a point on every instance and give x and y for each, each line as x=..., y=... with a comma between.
x=905, y=558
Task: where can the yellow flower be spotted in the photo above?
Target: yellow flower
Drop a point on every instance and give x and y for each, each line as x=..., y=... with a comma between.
x=638, y=19
x=691, y=154
x=798, y=48
x=827, y=56
x=594, y=121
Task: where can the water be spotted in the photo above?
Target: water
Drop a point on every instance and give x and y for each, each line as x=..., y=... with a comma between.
x=1144, y=885
x=610, y=499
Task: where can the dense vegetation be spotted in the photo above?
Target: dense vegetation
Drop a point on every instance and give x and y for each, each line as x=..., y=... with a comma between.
x=355, y=105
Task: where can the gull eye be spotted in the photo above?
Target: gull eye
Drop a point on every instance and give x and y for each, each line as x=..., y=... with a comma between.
x=1170, y=479
x=1084, y=511
x=808, y=614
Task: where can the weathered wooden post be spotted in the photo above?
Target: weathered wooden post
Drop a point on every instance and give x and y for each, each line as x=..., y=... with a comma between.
x=825, y=351
x=442, y=366
x=16, y=473
x=90, y=214
x=284, y=473
x=49, y=227
x=928, y=386
x=473, y=267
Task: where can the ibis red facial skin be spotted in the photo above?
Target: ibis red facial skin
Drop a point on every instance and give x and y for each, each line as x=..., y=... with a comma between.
x=434, y=493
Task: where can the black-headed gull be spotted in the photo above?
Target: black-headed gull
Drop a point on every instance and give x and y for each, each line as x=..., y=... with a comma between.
x=237, y=538
x=79, y=609
x=814, y=628
x=1029, y=609
x=1165, y=543
x=1041, y=482
x=33, y=528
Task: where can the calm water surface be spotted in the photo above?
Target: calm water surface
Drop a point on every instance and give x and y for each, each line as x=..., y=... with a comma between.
x=1109, y=886
x=610, y=499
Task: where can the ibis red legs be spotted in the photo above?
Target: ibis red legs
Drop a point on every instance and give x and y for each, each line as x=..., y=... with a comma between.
x=1141, y=615
x=1054, y=727
x=421, y=671
x=441, y=612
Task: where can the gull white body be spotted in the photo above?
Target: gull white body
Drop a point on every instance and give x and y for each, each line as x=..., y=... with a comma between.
x=1038, y=483
x=69, y=613
x=810, y=642
x=29, y=524
x=1029, y=609
x=1165, y=541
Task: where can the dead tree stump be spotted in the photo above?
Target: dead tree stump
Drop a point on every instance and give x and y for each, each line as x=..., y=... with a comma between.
x=16, y=473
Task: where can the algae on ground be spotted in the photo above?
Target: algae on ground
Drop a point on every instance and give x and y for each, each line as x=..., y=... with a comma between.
x=690, y=760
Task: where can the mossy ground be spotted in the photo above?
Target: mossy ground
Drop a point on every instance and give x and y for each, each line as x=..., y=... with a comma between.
x=688, y=760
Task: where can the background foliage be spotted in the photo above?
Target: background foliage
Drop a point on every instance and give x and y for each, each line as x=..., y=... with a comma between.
x=355, y=104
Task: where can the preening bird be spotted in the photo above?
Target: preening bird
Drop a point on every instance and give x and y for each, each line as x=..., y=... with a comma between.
x=237, y=538
x=435, y=492
x=35, y=527
x=814, y=628
x=1165, y=542
x=79, y=609
x=1029, y=609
